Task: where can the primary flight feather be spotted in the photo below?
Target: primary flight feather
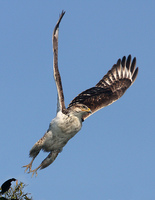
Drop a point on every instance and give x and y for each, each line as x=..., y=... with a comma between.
x=68, y=121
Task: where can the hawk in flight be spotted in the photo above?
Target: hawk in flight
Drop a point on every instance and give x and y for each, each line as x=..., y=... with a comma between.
x=68, y=121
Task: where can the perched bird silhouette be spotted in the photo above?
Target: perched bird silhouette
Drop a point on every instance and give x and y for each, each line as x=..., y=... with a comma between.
x=68, y=121
x=6, y=185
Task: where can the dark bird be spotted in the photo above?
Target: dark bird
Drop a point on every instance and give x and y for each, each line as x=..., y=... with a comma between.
x=68, y=121
x=6, y=185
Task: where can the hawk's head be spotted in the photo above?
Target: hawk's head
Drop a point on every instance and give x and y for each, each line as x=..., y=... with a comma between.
x=79, y=110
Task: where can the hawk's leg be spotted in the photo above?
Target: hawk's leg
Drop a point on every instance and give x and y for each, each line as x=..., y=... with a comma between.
x=35, y=151
x=46, y=162
x=29, y=165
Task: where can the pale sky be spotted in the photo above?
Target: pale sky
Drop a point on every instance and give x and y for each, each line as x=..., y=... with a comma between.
x=112, y=157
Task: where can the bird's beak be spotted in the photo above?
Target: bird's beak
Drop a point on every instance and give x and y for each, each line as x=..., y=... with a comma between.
x=88, y=110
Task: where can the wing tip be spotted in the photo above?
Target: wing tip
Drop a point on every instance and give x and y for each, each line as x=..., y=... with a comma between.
x=125, y=68
x=58, y=22
x=135, y=74
x=129, y=69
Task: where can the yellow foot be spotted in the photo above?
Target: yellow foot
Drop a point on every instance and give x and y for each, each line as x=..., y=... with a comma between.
x=28, y=167
x=34, y=172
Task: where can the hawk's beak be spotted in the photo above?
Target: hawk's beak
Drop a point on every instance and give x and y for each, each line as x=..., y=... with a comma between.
x=88, y=110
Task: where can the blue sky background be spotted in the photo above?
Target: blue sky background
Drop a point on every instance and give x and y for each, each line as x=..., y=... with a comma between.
x=112, y=157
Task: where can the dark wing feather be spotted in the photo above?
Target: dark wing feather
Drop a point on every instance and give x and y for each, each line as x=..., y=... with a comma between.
x=57, y=77
x=111, y=87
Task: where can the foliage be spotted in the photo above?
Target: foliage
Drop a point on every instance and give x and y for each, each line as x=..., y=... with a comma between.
x=16, y=193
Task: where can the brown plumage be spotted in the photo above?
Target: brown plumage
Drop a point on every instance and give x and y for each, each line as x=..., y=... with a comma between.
x=110, y=88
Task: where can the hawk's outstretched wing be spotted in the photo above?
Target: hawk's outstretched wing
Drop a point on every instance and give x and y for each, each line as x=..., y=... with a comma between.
x=111, y=87
x=57, y=77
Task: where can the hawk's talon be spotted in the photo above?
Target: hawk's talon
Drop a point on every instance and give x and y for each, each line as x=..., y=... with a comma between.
x=28, y=167
x=34, y=172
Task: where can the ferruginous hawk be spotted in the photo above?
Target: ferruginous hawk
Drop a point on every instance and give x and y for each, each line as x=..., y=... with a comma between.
x=68, y=121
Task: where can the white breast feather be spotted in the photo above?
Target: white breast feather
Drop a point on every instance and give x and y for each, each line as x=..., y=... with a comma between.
x=62, y=129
